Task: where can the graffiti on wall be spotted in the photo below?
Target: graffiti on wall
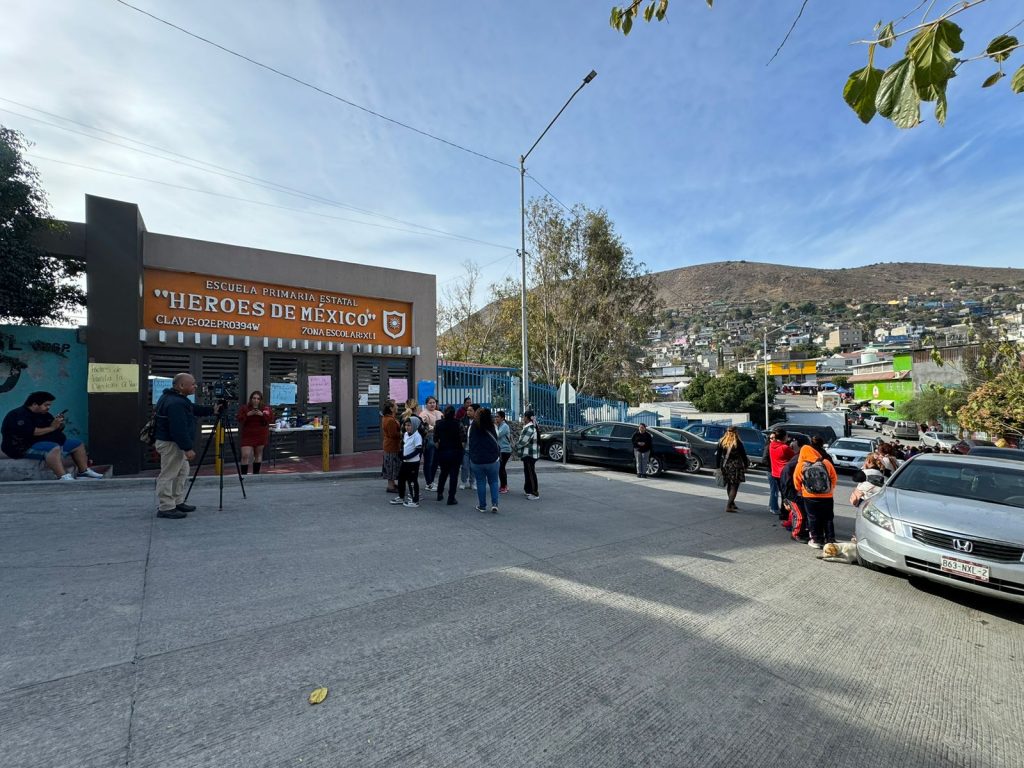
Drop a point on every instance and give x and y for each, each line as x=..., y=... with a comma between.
x=50, y=359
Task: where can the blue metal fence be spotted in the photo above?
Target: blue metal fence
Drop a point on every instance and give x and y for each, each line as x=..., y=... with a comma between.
x=587, y=410
x=495, y=388
x=500, y=388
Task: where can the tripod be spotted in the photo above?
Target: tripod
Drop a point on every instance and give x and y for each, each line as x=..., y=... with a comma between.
x=220, y=421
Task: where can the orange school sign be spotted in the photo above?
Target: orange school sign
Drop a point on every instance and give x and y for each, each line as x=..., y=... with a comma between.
x=184, y=301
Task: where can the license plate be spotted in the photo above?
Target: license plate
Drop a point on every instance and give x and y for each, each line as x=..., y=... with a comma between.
x=966, y=568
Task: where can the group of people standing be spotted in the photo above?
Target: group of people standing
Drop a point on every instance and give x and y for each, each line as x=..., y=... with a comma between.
x=471, y=446
x=802, y=483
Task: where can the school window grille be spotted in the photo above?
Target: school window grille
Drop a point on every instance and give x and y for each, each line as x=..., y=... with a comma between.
x=372, y=381
x=208, y=367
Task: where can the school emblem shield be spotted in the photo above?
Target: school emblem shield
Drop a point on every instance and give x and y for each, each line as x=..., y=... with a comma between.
x=394, y=324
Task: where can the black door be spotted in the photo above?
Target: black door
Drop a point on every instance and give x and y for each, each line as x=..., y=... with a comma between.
x=373, y=377
x=594, y=442
x=620, y=449
x=216, y=372
x=295, y=370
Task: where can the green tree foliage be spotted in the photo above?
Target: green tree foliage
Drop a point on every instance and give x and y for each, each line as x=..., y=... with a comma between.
x=930, y=60
x=934, y=405
x=842, y=382
x=470, y=333
x=695, y=389
x=590, y=302
x=36, y=287
x=589, y=306
x=994, y=384
x=733, y=392
x=997, y=406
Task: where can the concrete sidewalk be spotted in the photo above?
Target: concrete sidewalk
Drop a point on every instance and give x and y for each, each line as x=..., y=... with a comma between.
x=616, y=622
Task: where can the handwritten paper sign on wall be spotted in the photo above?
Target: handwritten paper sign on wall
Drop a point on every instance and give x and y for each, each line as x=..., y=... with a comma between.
x=320, y=389
x=113, y=377
x=398, y=389
x=283, y=393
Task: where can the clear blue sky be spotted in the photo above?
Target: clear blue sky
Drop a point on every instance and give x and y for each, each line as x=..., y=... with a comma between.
x=698, y=150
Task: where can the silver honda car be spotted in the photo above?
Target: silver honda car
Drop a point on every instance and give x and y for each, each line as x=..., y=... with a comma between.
x=956, y=520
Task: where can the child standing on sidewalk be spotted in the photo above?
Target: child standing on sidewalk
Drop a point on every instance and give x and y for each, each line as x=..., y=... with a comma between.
x=412, y=447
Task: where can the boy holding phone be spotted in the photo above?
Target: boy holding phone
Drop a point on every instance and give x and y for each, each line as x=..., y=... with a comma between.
x=32, y=432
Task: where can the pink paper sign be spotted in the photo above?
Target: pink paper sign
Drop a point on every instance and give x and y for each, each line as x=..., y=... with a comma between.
x=398, y=389
x=320, y=389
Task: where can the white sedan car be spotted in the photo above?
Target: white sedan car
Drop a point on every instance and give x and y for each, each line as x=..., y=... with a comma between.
x=957, y=520
x=939, y=440
x=850, y=452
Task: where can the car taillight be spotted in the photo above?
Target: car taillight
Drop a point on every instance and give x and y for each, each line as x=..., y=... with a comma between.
x=682, y=449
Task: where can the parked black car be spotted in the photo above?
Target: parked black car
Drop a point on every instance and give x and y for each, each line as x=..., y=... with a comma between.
x=858, y=417
x=702, y=452
x=800, y=437
x=966, y=446
x=825, y=433
x=609, y=443
x=1016, y=454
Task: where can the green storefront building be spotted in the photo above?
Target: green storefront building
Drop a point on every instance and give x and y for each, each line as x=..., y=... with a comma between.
x=887, y=391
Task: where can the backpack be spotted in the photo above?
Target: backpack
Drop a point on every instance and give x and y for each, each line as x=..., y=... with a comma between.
x=816, y=479
x=147, y=435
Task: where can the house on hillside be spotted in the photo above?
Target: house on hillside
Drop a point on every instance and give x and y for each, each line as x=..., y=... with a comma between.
x=793, y=371
x=844, y=338
x=838, y=364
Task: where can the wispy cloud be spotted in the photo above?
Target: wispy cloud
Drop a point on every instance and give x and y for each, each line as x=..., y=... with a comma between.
x=698, y=150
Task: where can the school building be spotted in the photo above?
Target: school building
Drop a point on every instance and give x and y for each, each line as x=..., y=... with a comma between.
x=320, y=338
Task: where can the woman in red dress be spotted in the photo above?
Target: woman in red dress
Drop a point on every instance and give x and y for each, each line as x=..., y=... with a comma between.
x=254, y=426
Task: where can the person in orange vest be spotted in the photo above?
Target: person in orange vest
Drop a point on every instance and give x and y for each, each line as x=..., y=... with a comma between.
x=815, y=480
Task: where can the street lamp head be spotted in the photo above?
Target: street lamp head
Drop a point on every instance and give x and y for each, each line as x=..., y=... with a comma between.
x=591, y=76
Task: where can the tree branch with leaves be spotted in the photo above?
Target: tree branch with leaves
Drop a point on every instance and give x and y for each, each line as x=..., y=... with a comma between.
x=36, y=286
x=930, y=60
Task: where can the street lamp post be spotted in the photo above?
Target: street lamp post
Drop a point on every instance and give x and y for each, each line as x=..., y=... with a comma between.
x=764, y=364
x=522, y=233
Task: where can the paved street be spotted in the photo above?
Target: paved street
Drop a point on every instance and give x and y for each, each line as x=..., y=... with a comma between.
x=617, y=622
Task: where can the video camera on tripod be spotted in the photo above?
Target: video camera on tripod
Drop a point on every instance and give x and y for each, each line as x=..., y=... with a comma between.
x=223, y=389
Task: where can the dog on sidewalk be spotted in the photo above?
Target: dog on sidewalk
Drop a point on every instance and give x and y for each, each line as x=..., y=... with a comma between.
x=842, y=552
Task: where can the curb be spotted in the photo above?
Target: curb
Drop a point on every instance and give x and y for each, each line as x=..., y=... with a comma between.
x=128, y=483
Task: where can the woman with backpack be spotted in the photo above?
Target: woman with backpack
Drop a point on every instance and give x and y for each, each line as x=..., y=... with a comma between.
x=484, y=455
x=815, y=480
x=732, y=461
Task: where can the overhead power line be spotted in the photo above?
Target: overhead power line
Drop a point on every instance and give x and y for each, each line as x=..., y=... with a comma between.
x=549, y=193
x=316, y=88
x=230, y=173
x=262, y=203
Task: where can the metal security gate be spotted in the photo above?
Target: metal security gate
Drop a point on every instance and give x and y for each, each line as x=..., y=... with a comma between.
x=373, y=377
x=214, y=370
x=296, y=370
